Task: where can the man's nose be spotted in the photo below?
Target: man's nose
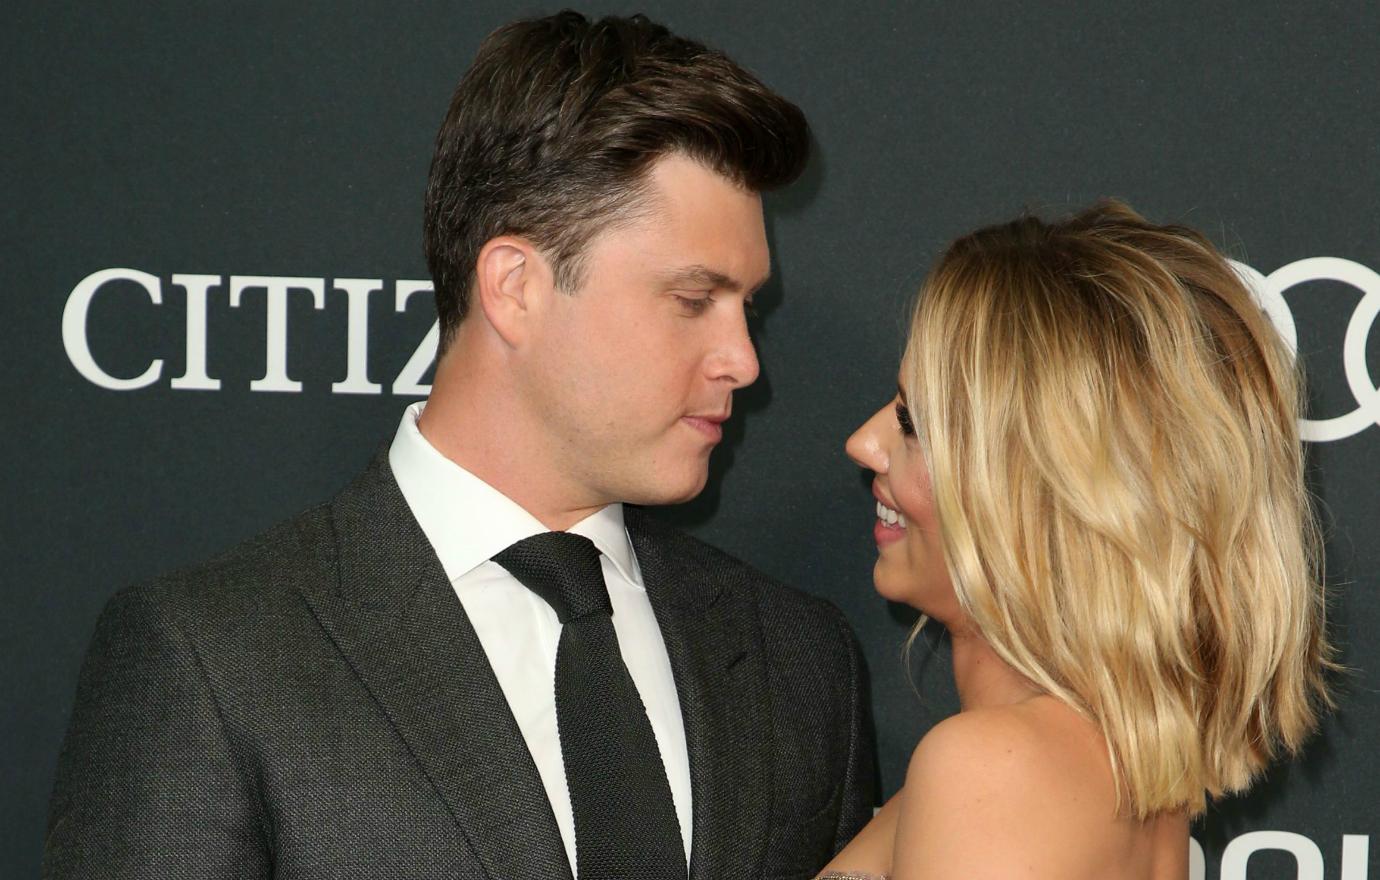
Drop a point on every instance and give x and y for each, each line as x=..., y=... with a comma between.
x=736, y=360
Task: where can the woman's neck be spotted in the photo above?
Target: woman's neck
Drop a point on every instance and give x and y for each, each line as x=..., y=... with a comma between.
x=982, y=678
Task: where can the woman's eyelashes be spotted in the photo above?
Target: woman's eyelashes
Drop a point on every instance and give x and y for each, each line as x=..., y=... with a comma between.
x=903, y=419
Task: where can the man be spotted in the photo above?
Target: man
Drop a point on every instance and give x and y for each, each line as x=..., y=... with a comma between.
x=475, y=662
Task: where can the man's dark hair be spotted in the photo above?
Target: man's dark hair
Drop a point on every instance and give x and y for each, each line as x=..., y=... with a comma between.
x=553, y=128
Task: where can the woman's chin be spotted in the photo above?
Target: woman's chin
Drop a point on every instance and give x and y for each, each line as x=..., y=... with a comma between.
x=891, y=588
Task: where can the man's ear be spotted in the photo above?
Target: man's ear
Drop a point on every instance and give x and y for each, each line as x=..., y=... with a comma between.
x=512, y=284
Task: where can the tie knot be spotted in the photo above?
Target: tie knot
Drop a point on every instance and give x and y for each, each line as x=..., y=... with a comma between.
x=563, y=569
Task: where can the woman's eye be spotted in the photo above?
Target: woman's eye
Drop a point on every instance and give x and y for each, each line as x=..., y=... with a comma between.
x=903, y=419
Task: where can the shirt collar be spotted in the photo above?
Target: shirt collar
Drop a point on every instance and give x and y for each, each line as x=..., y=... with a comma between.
x=468, y=521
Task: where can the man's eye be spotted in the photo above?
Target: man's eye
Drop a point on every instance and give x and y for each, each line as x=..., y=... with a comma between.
x=694, y=304
x=749, y=309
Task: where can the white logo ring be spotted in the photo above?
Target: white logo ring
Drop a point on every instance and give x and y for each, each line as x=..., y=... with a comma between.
x=1269, y=292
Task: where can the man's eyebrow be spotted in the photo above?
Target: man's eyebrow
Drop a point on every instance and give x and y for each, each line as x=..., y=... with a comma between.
x=703, y=276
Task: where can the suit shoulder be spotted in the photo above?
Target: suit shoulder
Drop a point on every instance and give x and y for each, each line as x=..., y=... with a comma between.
x=253, y=571
x=713, y=559
x=782, y=606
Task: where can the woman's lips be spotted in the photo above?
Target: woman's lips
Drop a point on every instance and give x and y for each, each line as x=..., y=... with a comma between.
x=890, y=523
x=885, y=534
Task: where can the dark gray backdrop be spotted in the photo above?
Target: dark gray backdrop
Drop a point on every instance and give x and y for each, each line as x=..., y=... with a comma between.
x=293, y=140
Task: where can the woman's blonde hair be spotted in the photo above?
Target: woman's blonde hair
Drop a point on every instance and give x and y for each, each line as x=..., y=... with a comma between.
x=1111, y=427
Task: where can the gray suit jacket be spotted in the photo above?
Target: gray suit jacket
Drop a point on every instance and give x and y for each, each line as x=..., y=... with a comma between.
x=314, y=703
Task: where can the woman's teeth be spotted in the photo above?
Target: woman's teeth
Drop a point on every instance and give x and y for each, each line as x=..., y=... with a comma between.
x=890, y=517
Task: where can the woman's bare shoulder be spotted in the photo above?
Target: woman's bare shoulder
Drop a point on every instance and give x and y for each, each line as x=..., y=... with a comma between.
x=1040, y=740
x=1017, y=789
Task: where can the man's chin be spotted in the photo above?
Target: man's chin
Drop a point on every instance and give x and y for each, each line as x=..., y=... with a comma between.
x=671, y=492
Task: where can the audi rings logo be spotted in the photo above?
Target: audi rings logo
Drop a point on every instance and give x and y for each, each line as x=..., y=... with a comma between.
x=1269, y=292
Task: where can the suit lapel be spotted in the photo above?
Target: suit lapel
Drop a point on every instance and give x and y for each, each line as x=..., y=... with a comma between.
x=398, y=622
x=712, y=639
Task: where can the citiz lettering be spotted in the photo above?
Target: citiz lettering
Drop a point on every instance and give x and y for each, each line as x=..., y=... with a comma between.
x=277, y=289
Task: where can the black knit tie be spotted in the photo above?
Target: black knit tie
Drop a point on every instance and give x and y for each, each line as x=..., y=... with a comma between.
x=625, y=819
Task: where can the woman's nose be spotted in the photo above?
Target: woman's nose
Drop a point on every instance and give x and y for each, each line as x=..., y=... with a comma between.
x=865, y=446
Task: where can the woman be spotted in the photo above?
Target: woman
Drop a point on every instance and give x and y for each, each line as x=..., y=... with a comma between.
x=1092, y=476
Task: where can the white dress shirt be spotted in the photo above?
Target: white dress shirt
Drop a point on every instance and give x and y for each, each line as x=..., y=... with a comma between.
x=467, y=522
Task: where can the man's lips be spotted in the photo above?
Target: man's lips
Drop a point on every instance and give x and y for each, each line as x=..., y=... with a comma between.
x=711, y=425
